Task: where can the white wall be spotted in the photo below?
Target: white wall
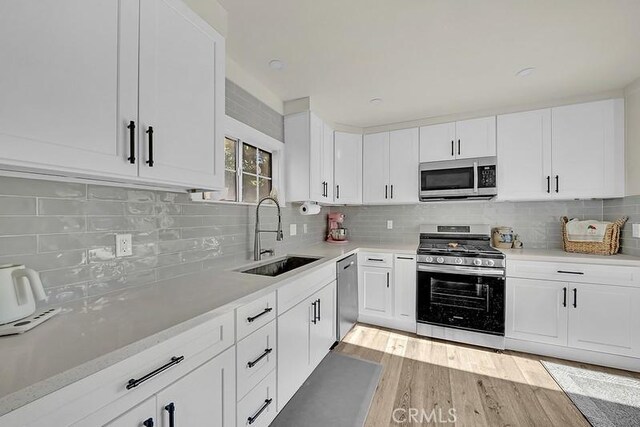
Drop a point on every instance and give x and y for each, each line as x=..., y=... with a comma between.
x=632, y=137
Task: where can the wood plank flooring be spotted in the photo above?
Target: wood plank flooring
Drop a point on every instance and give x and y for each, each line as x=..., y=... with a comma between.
x=429, y=378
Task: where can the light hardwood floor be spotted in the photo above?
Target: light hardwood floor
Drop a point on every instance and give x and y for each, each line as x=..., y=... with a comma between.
x=484, y=387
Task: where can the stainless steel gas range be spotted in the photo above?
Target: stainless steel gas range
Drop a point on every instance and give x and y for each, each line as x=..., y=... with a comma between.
x=461, y=285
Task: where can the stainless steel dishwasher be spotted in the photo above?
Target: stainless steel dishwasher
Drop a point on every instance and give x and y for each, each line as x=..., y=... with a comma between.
x=347, y=295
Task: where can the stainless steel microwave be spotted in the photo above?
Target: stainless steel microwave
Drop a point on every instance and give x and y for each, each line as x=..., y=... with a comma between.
x=458, y=179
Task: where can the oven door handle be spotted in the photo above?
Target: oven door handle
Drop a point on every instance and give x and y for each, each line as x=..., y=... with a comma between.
x=467, y=271
x=475, y=177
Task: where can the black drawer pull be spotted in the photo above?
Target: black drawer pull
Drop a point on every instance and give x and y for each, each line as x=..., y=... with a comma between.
x=315, y=312
x=392, y=191
x=579, y=273
x=375, y=259
x=405, y=257
x=132, y=144
x=548, y=184
x=253, y=419
x=136, y=382
x=266, y=310
x=319, y=310
x=575, y=298
x=564, y=297
x=150, y=132
x=262, y=356
x=148, y=422
x=452, y=152
x=171, y=409
x=557, y=183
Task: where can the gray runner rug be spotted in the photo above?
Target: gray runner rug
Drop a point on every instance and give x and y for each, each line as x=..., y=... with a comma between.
x=337, y=394
x=604, y=399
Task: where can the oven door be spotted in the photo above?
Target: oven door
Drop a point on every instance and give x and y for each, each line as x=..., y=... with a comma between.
x=461, y=297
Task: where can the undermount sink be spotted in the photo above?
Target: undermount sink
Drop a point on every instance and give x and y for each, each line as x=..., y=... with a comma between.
x=280, y=266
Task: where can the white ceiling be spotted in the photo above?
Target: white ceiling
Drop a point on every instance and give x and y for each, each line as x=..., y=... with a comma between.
x=428, y=58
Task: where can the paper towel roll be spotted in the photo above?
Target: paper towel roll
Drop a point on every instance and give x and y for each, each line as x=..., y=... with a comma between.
x=309, y=208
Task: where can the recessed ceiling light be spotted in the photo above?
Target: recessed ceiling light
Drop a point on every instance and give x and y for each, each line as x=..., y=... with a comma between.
x=276, y=64
x=525, y=72
x=375, y=100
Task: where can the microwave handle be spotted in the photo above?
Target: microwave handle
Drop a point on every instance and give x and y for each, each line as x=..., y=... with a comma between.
x=475, y=177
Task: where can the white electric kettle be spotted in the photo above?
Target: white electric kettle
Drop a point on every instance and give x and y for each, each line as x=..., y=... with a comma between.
x=18, y=287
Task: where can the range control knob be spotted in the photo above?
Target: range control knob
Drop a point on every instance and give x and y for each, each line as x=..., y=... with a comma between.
x=459, y=261
x=429, y=259
x=440, y=260
x=477, y=261
x=490, y=263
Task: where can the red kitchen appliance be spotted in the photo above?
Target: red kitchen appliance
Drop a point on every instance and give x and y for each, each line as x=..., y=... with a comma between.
x=336, y=232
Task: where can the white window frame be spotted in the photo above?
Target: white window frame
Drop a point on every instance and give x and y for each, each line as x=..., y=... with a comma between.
x=241, y=132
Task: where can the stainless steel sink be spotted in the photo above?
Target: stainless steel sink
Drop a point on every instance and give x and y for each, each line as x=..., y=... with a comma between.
x=280, y=266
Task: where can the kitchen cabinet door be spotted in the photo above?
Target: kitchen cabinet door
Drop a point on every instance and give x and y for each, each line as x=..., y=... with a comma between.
x=376, y=291
x=348, y=168
x=327, y=162
x=69, y=86
x=293, y=350
x=206, y=396
x=605, y=318
x=143, y=415
x=524, y=150
x=323, y=330
x=316, y=159
x=476, y=138
x=181, y=96
x=437, y=142
x=404, y=273
x=588, y=150
x=403, y=166
x=375, y=168
x=536, y=310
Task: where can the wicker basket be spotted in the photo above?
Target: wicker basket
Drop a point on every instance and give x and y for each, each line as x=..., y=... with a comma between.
x=609, y=246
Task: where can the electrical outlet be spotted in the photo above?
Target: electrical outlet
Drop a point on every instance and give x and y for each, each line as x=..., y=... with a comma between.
x=293, y=229
x=636, y=230
x=304, y=228
x=389, y=224
x=124, y=245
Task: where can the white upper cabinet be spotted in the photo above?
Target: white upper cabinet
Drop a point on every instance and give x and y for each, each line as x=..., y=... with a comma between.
x=569, y=152
x=348, y=168
x=80, y=78
x=69, y=85
x=465, y=139
x=309, y=158
x=588, y=149
x=179, y=85
x=390, y=167
x=524, y=153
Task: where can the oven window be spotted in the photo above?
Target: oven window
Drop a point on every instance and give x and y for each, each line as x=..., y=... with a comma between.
x=447, y=179
x=469, y=296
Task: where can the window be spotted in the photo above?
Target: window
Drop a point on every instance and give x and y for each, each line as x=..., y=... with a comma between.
x=248, y=171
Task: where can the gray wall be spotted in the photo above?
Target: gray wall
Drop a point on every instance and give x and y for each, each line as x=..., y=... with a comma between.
x=627, y=206
x=248, y=109
x=66, y=231
x=537, y=223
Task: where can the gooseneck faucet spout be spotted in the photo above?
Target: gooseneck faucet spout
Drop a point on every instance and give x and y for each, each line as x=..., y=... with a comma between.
x=257, y=251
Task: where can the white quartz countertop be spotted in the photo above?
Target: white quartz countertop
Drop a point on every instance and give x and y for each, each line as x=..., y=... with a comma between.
x=92, y=334
x=558, y=255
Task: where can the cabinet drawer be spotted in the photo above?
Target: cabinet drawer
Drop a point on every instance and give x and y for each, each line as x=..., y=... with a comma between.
x=256, y=314
x=304, y=286
x=375, y=260
x=256, y=356
x=258, y=408
x=575, y=272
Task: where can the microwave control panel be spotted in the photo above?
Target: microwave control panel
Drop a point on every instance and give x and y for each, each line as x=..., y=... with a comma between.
x=487, y=176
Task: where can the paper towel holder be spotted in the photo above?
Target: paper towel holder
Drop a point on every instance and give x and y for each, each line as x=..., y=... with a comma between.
x=310, y=208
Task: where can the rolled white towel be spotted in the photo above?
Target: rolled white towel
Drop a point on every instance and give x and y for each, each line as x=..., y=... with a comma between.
x=586, y=231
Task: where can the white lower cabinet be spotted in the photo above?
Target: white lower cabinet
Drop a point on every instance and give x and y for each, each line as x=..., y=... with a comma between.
x=305, y=334
x=375, y=291
x=140, y=416
x=404, y=281
x=258, y=408
x=256, y=356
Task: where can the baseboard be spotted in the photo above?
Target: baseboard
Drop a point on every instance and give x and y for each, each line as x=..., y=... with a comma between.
x=385, y=322
x=578, y=355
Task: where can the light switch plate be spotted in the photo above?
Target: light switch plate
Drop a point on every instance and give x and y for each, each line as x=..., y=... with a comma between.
x=293, y=229
x=124, y=245
x=636, y=230
x=389, y=224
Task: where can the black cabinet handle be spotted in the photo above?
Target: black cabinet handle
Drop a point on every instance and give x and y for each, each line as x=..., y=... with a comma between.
x=386, y=188
x=265, y=311
x=557, y=183
x=405, y=257
x=452, y=149
x=375, y=259
x=458, y=147
x=392, y=191
x=564, y=297
x=319, y=309
x=575, y=298
x=136, y=382
x=150, y=133
x=548, y=184
x=387, y=279
x=579, y=273
x=132, y=142
x=262, y=356
x=171, y=409
x=148, y=422
x=315, y=312
x=253, y=419
x=337, y=191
